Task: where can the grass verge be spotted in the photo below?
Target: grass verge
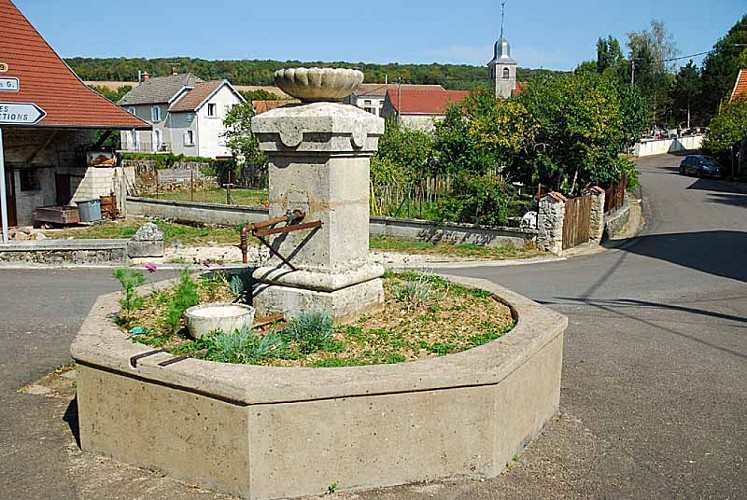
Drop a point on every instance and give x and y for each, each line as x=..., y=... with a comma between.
x=454, y=250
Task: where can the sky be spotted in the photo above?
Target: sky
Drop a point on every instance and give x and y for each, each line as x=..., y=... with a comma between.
x=543, y=33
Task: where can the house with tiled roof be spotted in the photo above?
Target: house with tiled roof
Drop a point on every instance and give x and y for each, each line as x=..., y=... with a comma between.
x=47, y=162
x=186, y=114
x=370, y=96
x=419, y=108
x=740, y=87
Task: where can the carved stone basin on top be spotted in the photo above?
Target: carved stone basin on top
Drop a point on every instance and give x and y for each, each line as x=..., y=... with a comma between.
x=318, y=84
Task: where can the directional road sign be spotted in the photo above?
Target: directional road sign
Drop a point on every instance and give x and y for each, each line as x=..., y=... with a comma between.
x=9, y=84
x=20, y=113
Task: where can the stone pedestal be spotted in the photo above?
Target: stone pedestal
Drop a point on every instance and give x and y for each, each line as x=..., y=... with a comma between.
x=596, y=221
x=550, y=223
x=319, y=156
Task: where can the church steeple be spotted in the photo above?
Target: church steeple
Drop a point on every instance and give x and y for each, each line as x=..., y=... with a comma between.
x=502, y=68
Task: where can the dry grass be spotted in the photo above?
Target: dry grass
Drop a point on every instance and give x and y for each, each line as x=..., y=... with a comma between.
x=423, y=317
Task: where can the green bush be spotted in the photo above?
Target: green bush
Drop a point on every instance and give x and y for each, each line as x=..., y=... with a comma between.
x=311, y=331
x=477, y=200
x=166, y=160
x=130, y=279
x=185, y=296
x=727, y=129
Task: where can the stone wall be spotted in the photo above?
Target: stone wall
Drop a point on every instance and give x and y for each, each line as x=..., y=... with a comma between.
x=596, y=222
x=615, y=222
x=550, y=223
x=66, y=252
x=663, y=146
x=207, y=213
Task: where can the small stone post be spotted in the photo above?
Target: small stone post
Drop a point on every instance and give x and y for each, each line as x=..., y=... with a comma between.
x=596, y=221
x=550, y=223
x=319, y=156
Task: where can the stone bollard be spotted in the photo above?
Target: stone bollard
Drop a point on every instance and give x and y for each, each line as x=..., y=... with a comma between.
x=550, y=223
x=596, y=222
x=319, y=156
x=147, y=242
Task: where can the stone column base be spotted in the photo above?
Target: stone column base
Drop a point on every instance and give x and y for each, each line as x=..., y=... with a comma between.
x=343, y=304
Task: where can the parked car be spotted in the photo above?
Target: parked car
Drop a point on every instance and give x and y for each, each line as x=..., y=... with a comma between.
x=702, y=166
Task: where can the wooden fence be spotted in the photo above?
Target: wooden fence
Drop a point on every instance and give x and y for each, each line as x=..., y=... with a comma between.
x=614, y=196
x=577, y=221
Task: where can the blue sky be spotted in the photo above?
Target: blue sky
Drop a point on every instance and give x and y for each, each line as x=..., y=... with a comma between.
x=543, y=33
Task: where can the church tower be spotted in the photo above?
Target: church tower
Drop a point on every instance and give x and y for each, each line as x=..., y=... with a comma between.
x=502, y=69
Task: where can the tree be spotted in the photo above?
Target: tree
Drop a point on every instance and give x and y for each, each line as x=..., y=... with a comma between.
x=403, y=157
x=726, y=130
x=581, y=131
x=482, y=134
x=685, y=91
x=720, y=68
x=651, y=55
x=609, y=54
x=240, y=140
x=113, y=95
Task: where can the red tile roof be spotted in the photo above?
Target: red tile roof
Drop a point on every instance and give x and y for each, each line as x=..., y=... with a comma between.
x=380, y=89
x=740, y=88
x=49, y=83
x=420, y=101
x=519, y=88
x=195, y=97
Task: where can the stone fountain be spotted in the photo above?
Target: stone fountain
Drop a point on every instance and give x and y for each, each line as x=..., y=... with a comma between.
x=319, y=155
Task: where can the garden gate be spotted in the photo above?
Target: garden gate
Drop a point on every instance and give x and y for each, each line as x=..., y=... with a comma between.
x=577, y=221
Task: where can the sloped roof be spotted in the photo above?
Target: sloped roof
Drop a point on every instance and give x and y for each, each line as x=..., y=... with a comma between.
x=380, y=89
x=193, y=99
x=265, y=106
x=49, y=83
x=159, y=89
x=740, y=87
x=519, y=88
x=427, y=102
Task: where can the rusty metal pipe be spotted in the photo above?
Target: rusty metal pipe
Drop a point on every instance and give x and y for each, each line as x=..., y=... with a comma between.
x=290, y=217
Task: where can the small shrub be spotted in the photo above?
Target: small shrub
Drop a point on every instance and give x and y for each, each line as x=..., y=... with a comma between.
x=242, y=346
x=236, y=287
x=477, y=200
x=130, y=279
x=417, y=290
x=185, y=296
x=311, y=331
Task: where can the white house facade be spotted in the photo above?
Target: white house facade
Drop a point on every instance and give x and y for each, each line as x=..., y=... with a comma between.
x=186, y=113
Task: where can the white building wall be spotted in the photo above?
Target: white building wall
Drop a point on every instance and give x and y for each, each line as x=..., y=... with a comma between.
x=210, y=143
x=179, y=124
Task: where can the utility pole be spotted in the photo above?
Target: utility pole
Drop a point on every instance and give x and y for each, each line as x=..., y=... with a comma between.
x=399, y=100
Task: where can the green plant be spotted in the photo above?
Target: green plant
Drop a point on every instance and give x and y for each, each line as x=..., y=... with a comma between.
x=130, y=279
x=186, y=295
x=242, y=346
x=311, y=331
x=236, y=287
x=477, y=200
x=332, y=488
x=417, y=290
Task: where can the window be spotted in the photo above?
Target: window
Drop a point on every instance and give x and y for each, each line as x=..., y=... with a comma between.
x=155, y=114
x=30, y=180
x=367, y=102
x=189, y=138
x=506, y=74
x=131, y=111
x=212, y=110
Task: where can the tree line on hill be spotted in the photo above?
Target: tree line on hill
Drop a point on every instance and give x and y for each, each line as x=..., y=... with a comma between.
x=259, y=72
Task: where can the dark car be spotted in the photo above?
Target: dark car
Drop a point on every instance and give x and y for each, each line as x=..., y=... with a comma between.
x=702, y=166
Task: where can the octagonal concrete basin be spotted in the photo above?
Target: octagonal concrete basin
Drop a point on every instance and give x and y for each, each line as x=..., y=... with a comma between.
x=268, y=432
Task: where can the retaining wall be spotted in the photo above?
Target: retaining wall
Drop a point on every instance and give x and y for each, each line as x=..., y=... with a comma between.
x=660, y=147
x=66, y=252
x=208, y=213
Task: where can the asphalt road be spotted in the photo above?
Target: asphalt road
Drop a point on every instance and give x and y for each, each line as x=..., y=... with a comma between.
x=654, y=390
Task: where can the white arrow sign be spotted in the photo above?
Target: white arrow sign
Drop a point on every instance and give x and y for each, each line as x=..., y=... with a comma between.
x=20, y=113
x=9, y=84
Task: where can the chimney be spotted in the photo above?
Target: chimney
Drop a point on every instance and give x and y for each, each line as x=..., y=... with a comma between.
x=146, y=75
